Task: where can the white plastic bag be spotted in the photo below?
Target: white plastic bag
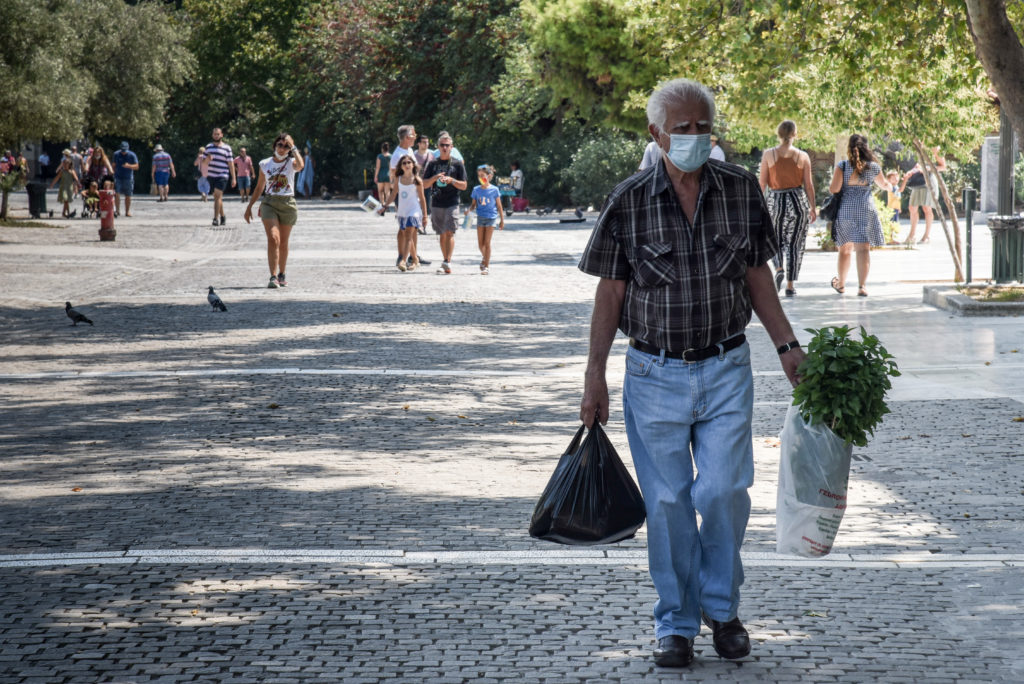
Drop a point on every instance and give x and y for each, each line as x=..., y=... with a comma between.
x=814, y=471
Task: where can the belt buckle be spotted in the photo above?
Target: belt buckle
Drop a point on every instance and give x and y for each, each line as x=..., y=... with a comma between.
x=687, y=359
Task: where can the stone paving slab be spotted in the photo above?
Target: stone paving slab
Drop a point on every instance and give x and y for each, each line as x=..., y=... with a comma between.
x=493, y=623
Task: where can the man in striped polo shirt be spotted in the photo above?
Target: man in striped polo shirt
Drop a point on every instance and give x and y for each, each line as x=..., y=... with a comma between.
x=218, y=167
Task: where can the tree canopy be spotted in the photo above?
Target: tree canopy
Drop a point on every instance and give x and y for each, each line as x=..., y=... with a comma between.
x=64, y=74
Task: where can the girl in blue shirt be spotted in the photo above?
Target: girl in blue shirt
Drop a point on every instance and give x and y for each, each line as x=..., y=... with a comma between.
x=487, y=202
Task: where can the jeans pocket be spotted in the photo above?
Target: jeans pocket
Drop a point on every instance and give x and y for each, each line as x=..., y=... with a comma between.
x=638, y=365
x=740, y=356
x=653, y=264
x=731, y=256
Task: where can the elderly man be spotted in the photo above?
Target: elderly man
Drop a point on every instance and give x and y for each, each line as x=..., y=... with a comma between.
x=682, y=250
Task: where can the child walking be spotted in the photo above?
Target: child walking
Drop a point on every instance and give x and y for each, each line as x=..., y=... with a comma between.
x=411, y=210
x=68, y=179
x=487, y=202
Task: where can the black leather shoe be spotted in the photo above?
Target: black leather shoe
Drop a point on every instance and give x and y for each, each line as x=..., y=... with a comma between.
x=731, y=639
x=673, y=651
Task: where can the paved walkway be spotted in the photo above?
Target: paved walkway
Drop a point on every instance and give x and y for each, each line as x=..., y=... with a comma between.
x=333, y=481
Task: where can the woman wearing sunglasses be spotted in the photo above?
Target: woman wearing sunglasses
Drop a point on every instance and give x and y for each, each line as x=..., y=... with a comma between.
x=276, y=185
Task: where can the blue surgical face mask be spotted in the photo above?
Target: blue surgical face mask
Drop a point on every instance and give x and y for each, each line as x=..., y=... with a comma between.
x=689, y=152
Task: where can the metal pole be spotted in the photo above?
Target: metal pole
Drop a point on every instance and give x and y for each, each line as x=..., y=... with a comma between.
x=1007, y=153
x=970, y=197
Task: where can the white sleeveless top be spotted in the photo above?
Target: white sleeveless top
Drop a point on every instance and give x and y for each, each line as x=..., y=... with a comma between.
x=408, y=201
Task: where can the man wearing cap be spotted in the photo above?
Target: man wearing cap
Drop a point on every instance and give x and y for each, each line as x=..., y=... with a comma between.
x=682, y=251
x=125, y=166
x=163, y=171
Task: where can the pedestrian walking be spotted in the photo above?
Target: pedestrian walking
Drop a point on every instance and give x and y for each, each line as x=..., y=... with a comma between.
x=406, y=141
x=487, y=203
x=423, y=155
x=446, y=176
x=162, y=172
x=68, y=180
x=219, y=171
x=99, y=168
x=202, y=184
x=786, y=174
x=243, y=173
x=918, y=180
x=278, y=210
x=682, y=251
x=857, y=226
x=125, y=166
x=382, y=176
x=78, y=166
x=411, y=208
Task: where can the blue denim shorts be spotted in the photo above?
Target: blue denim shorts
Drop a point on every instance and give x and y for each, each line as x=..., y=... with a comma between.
x=124, y=186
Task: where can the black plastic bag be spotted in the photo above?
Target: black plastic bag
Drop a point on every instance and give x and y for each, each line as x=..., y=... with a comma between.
x=591, y=497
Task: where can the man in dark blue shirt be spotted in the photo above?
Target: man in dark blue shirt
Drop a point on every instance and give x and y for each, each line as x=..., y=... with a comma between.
x=125, y=166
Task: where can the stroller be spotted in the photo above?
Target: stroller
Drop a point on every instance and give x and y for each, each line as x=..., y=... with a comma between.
x=511, y=196
x=91, y=202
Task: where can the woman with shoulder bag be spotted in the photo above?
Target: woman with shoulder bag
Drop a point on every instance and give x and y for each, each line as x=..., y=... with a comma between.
x=276, y=184
x=857, y=226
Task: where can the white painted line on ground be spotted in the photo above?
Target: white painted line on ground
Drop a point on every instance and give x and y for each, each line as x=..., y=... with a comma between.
x=565, y=557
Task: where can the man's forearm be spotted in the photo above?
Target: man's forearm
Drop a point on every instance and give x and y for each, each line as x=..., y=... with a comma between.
x=765, y=302
x=604, y=323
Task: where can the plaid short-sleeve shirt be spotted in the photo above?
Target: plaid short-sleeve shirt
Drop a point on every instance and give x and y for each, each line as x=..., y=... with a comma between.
x=686, y=286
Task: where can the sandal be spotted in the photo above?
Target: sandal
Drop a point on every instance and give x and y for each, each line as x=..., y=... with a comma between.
x=780, y=277
x=861, y=292
x=835, y=285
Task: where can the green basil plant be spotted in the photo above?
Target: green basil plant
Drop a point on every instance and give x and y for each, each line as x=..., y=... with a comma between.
x=844, y=381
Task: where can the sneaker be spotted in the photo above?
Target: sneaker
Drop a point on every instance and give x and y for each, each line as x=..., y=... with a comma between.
x=273, y=284
x=401, y=266
x=281, y=281
x=413, y=265
x=215, y=221
x=398, y=260
x=223, y=219
x=484, y=270
x=446, y=266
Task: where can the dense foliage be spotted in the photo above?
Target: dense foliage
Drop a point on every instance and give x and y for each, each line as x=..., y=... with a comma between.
x=844, y=381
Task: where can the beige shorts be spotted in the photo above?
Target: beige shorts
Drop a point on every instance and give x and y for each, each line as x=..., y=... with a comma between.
x=280, y=208
x=919, y=197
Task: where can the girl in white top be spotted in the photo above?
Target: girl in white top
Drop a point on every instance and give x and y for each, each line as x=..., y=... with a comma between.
x=407, y=186
x=278, y=210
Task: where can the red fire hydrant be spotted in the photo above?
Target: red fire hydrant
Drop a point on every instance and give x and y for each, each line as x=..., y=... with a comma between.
x=107, y=232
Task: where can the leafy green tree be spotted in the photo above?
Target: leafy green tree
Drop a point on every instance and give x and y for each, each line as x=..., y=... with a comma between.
x=63, y=73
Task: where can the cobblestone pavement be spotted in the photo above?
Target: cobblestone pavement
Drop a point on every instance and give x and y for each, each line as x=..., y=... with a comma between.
x=332, y=481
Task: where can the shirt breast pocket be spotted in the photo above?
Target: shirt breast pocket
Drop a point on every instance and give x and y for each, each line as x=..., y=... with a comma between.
x=653, y=264
x=731, y=256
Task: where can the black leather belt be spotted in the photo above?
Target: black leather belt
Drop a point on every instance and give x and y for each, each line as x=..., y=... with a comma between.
x=690, y=355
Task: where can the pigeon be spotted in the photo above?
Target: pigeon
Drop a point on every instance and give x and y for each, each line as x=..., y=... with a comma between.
x=215, y=301
x=558, y=209
x=324, y=195
x=74, y=315
x=578, y=212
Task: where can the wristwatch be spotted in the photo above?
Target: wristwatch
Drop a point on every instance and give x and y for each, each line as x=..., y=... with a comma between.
x=795, y=344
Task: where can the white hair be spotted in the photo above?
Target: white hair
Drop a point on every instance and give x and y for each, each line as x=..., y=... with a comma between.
x=677, y=91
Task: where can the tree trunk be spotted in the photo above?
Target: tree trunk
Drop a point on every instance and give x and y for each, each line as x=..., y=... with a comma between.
x=3, y=206
x=929, y=168
x=1000, y=51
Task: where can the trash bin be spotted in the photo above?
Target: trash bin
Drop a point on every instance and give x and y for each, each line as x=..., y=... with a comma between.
x=36, y=198
x=1007, y=248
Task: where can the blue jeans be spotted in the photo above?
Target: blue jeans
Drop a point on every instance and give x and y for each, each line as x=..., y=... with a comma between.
x=678, y=415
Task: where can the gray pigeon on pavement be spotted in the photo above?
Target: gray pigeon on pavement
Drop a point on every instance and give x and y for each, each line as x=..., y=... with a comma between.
x=215, y=301
x=74, y=315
